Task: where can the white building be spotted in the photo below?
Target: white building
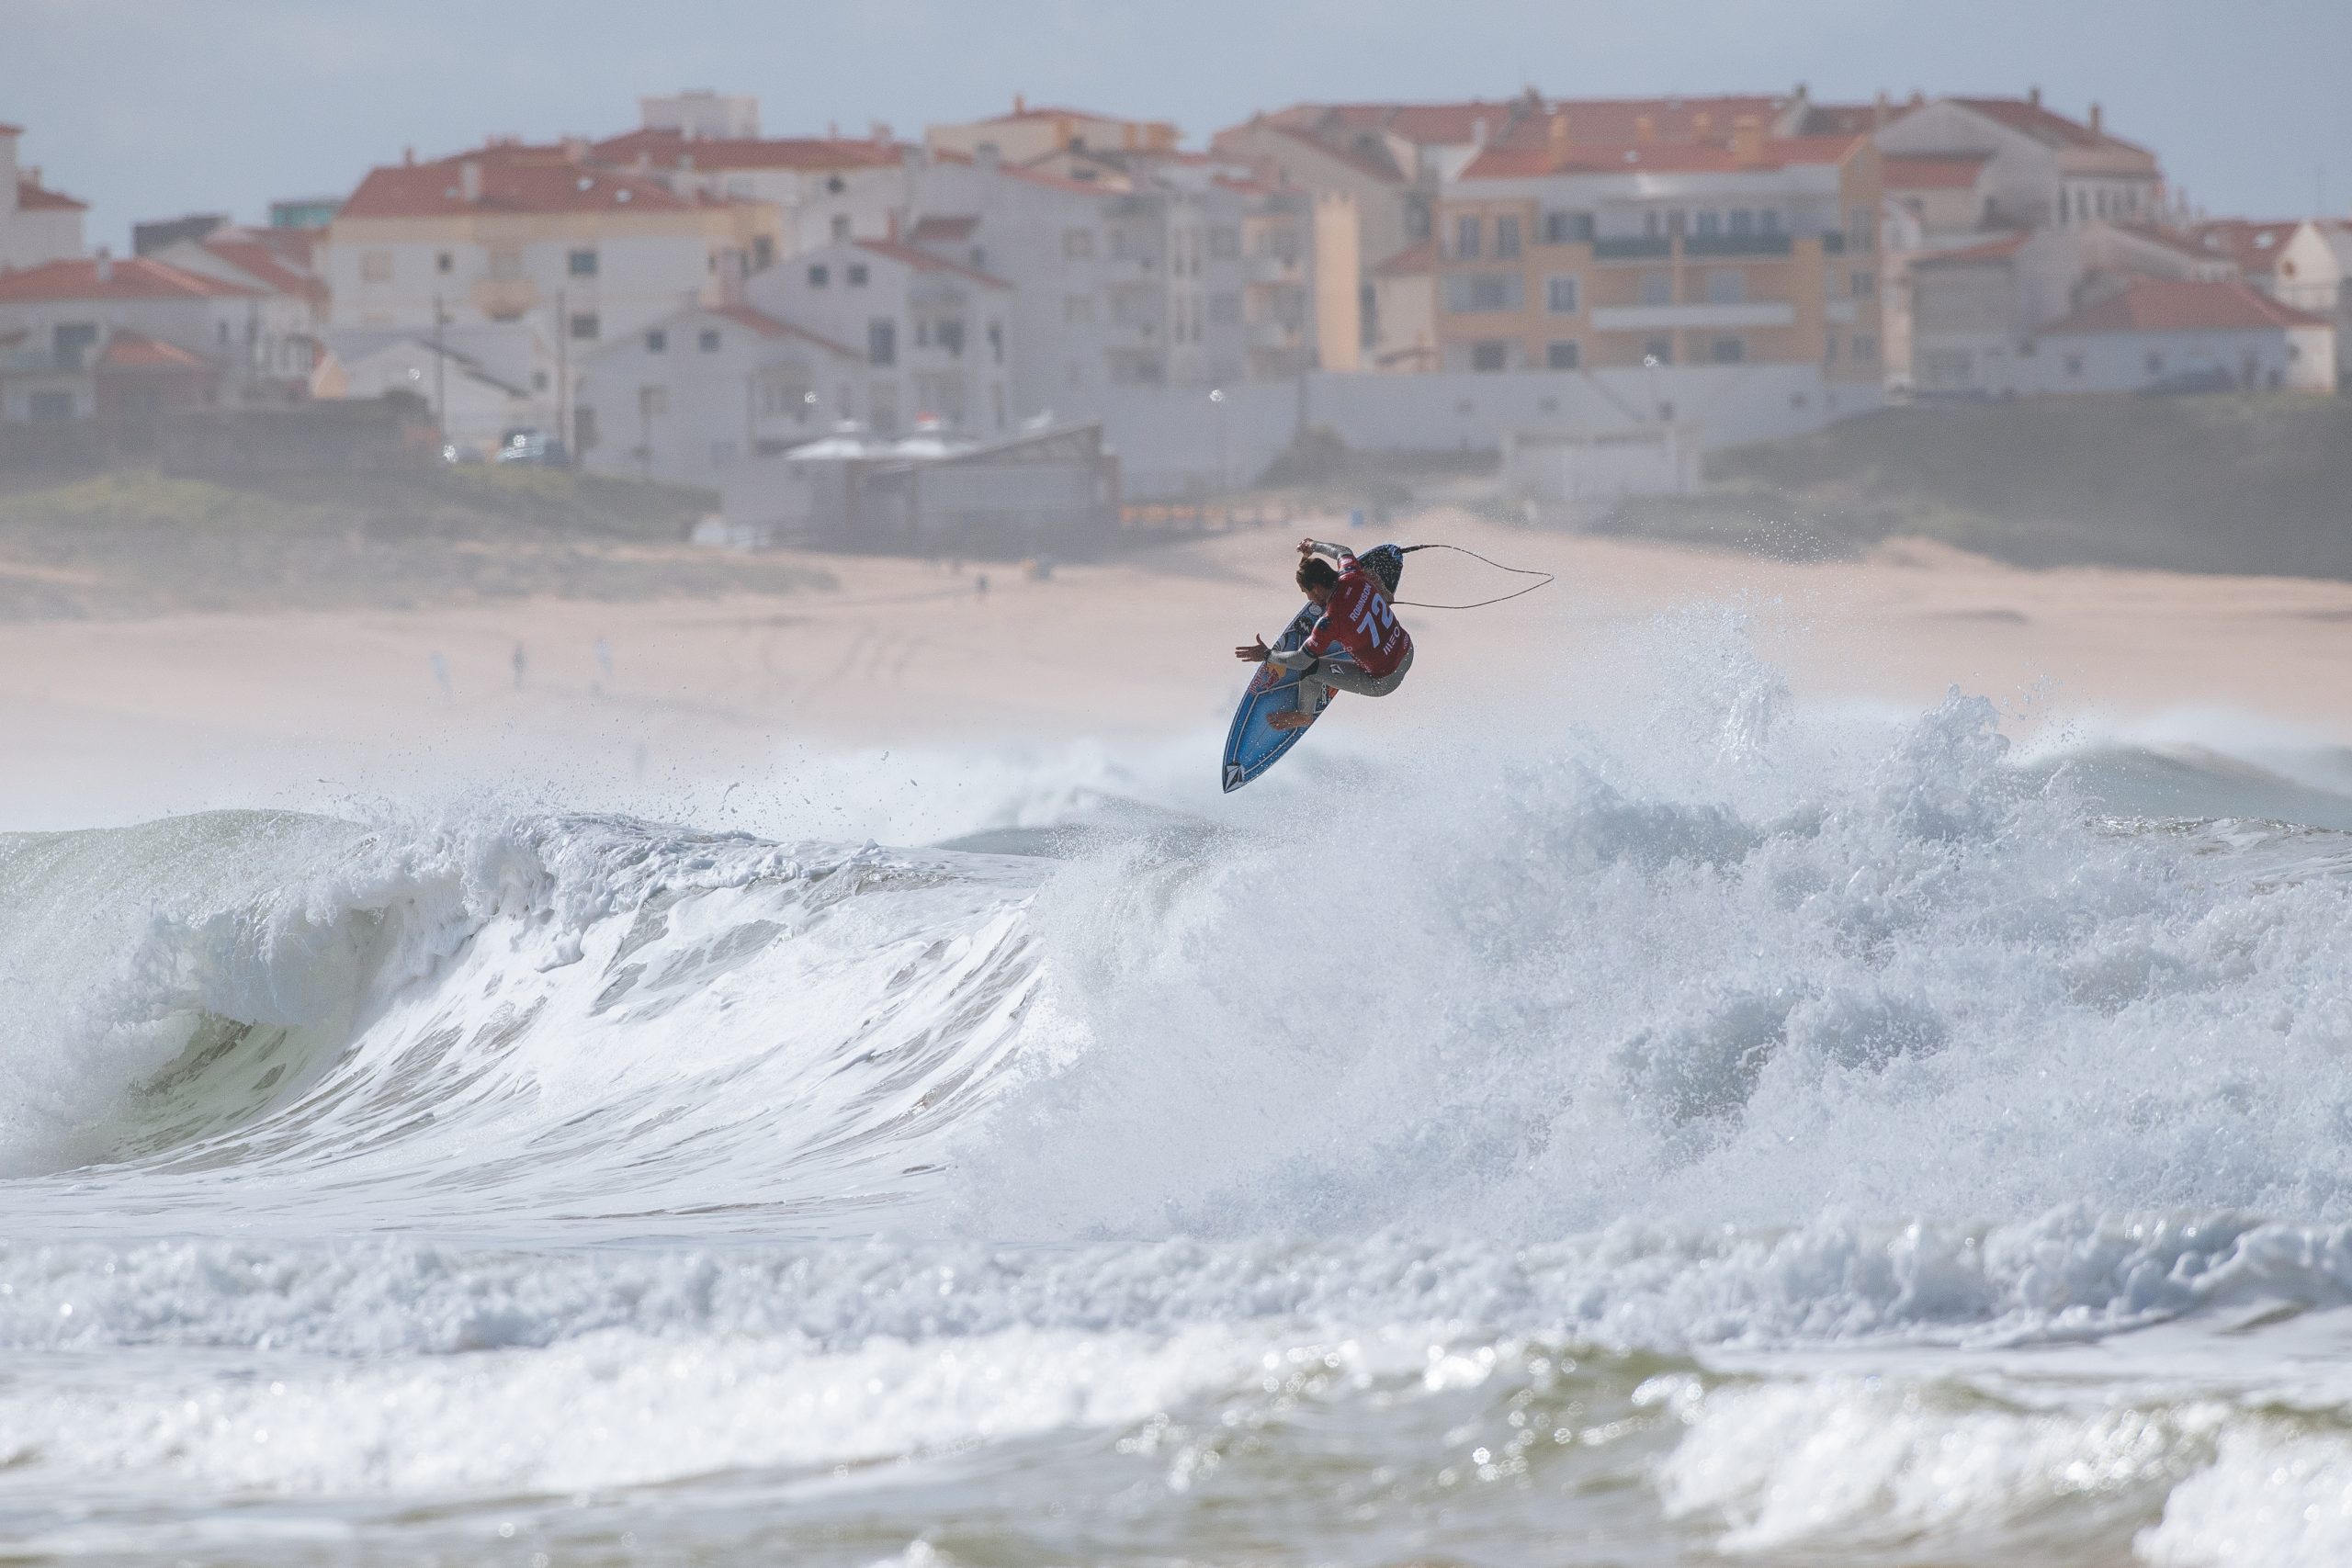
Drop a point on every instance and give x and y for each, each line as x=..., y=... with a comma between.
x=480, y=382
x=55, y=317
x=692, y=396
x=37, y=224
x=2166, y=334
x=936, y=336
x=2039, y=168
x=512, y=232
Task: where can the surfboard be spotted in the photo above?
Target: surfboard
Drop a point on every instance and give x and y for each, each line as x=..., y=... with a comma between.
x=1253, y=744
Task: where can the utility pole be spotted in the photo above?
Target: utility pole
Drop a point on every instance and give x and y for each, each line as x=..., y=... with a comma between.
x=563, y=375
x=440, y=382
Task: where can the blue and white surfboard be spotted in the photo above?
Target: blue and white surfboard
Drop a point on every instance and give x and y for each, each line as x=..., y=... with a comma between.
x=1253, y=744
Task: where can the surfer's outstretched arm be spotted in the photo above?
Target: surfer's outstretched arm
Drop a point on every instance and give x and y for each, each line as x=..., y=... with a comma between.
x=1325, y=548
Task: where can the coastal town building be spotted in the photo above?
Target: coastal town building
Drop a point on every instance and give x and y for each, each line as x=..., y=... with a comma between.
x=510, y=232
x=1028, y=136
x=2164, y=334
x=1562, y=254
x=689, y=397
x=97, y=335
x=37, y=224
x=824, y=189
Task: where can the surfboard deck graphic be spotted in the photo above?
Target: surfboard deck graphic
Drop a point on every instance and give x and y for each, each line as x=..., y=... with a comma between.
x=1253, y=744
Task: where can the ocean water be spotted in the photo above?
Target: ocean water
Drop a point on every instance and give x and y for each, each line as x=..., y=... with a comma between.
x=1718, y=1131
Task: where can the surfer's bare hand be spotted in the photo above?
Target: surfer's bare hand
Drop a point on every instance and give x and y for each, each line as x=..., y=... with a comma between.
x=1306, y=547
x=1256, y=652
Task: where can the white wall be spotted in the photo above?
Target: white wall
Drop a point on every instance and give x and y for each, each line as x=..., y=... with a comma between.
x=2297, y=360
x=1168, y=441
x=639, y=278
x=714, y=412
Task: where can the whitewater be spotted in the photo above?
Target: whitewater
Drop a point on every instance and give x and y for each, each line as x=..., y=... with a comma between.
x=1714, y=1129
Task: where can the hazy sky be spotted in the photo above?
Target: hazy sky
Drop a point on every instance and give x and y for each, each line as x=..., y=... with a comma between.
x=152, y=107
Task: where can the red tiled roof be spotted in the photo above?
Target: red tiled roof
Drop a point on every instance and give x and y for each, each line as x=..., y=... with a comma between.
x=767, y=325
x=1596, y=119
x=938, y=229
x=2175, y=305
x=2254, y=246
x=675, y=150
x=135, y=351
x=1679, y=157
x=33, y=197
x=1938, y=172
x=925, y=262
x=1046, y=112
x=1034, y=176
x=1359, y=149
x=514, y=178
x=2047, y=126
x=2001, y=249
x=1410, y=262
x=133, y=277
x=261, y=262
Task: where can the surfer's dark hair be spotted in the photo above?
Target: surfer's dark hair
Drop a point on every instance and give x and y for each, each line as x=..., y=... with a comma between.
x=1316, y=572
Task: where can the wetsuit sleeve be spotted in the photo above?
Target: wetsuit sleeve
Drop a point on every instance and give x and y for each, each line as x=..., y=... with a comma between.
x=1340, y=553
x=1318, y=639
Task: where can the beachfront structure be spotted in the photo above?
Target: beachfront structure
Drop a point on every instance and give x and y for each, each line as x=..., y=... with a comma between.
x=1563, y=253
x=510, y=232
x=37, y=224
x=687, y=397
x=1167, y=271
x=823, y=187
x=95, y=335
x=935, y=335
x=478, y=383
x=2165, y=335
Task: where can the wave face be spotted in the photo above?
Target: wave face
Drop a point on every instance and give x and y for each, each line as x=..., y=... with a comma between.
x=1805, y=1135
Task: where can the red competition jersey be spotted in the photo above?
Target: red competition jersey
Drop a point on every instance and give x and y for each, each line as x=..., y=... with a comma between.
x=1358, y=618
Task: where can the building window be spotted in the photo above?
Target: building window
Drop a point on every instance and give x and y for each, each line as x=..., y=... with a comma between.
x=652, y=402
x=995, y=343
x=1566, y=228
x=584, y=429
x=1657, y=351
x=1865, y=345
x=881, y=340
x=375, y=267
x=1078, y=244
x=1560, y=357
x=583, y=324
x=445, y=262
x=840, y=226
x=657, y=341
x=1489, y=356
x=1466, y=237
x=762, y=252
x=708, y=342
x=583, y=263
x=1468, y=293
x=50, y=408
x=1725, y=286
x=949, y=335
x=1727, y=350
x=1743, y=221
x=1560, y=296
x=1710, y=225
x=1507, y=236
x=818, y=275
x=1768, y=220
x=2073, y=365
x=2155, y=363
x=855, y=275
x=1658, y=288
x=1864, y=284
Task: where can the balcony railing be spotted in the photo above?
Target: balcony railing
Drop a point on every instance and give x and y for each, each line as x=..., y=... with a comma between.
x=1638, y=247
x=1736, y=246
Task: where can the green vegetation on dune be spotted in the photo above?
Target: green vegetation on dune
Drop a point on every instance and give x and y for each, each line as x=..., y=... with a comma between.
x=137, y=542
x=2222, y=484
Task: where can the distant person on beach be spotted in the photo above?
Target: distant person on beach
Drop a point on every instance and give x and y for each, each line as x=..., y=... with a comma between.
x=1356, y=618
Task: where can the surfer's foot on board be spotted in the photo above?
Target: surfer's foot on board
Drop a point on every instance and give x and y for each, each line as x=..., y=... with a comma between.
x=1289, y=719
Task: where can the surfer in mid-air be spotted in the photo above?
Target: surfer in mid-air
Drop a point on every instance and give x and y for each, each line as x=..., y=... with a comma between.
x=1357, y=618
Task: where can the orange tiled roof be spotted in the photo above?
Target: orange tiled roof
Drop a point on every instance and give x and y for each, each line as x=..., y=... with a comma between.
x=1543, y=157
x=135, y=351
x=1597, y=120
x=675, y=150
x=261, y=262
x=924, y=261
x=2175, y=305
x=133, y=277
x=2047, y=126
x=767, y=325
x=2254, y=246
x=514, y=178
x=34, y=198
x=1937, y=172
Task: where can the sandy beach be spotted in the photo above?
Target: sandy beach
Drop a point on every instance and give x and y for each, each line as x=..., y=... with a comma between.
x=113, y=720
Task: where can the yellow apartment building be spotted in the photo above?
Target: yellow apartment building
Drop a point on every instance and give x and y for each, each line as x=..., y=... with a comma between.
x=1556, y=253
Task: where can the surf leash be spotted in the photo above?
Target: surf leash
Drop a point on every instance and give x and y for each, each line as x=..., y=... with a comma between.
x=1482, y=604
